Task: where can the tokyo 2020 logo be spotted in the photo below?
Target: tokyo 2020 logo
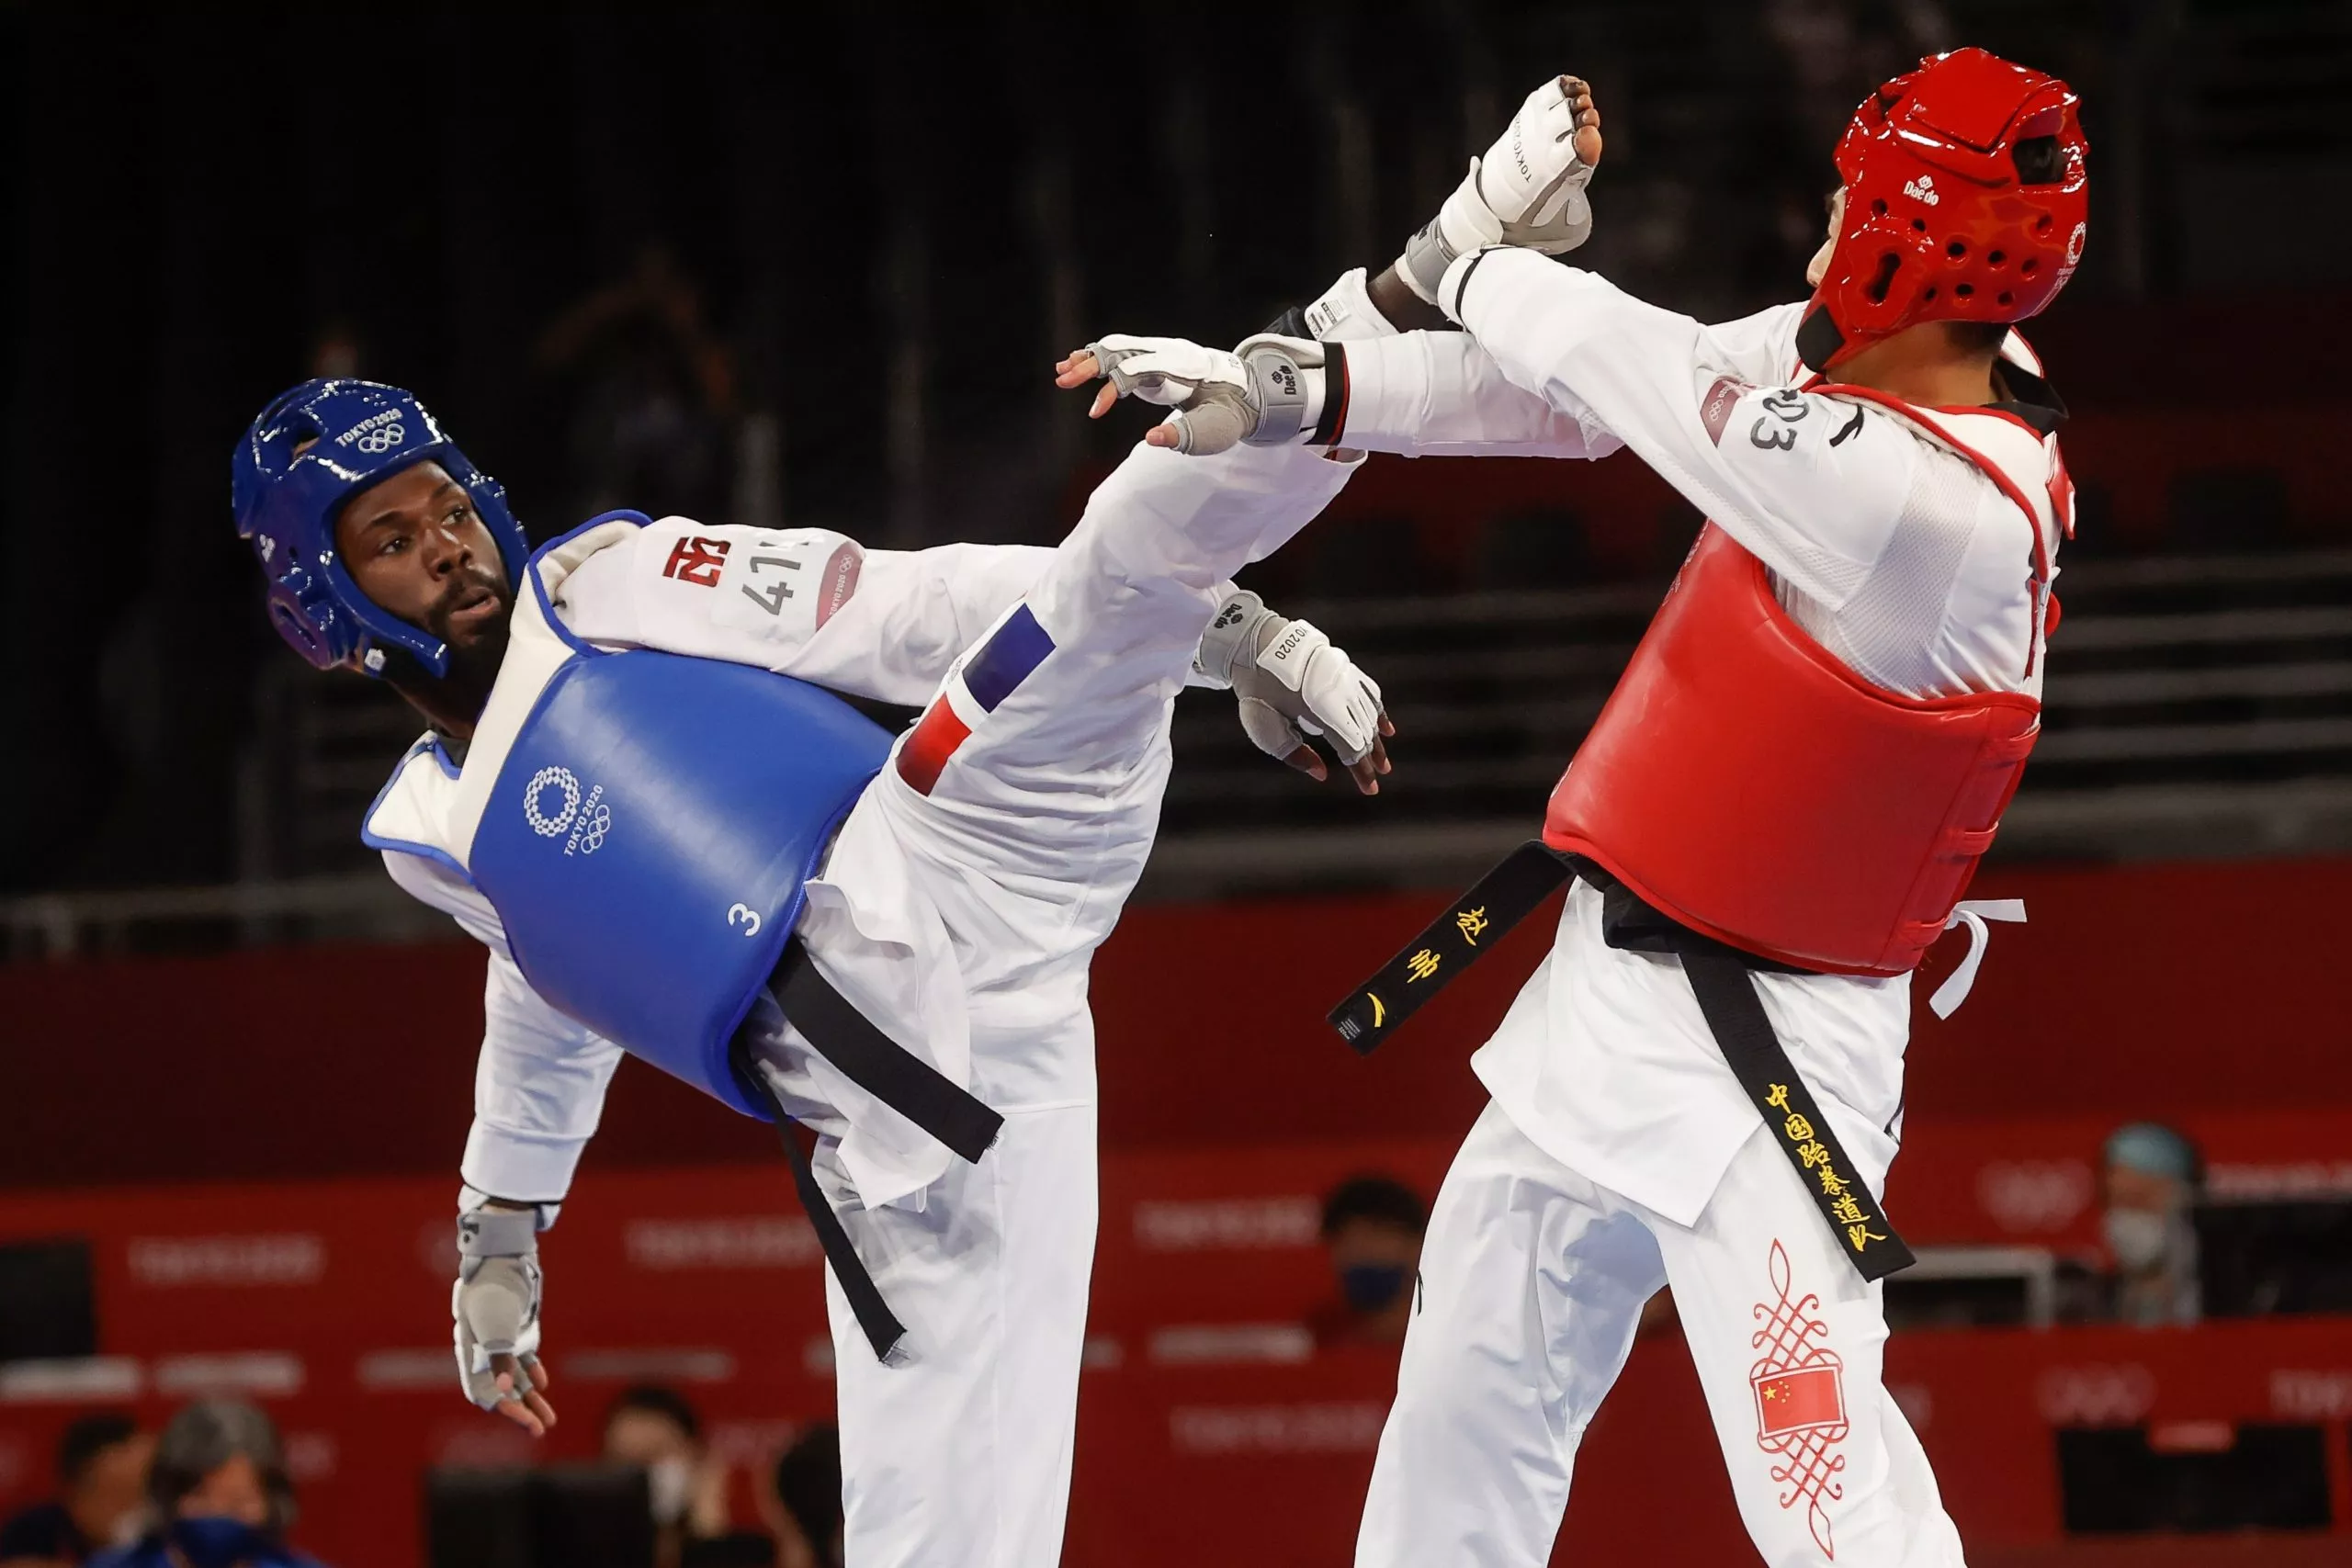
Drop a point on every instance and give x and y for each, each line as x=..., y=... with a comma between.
x=542, y=823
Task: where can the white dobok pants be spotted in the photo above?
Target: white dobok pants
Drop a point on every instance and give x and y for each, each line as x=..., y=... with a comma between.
x=1532, y=1284
x=957, y=1454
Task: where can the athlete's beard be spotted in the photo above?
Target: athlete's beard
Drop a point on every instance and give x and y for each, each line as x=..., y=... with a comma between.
x=474, y=663
x=455, y=699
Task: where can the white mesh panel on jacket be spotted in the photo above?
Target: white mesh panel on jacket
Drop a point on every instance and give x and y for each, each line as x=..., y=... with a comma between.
x=1910, y=627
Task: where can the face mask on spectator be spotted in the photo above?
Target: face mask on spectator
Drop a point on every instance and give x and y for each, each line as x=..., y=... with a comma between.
x=2137, y=1237
x=1371, y=1286
x=220, y=1543
x=670, y=1482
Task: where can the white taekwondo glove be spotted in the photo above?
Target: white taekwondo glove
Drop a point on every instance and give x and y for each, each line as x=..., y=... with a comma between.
x=1527, y=191
x=496, y=1301
x=1290, y=678
x=1267, y=392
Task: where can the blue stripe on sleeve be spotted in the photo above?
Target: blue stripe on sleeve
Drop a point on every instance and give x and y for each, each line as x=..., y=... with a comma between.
x=1005, y=660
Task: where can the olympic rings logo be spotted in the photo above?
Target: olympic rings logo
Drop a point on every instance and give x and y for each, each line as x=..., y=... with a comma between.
x=542, y=824
x=383, y=438
x=2096, y=1394
x=592, y=831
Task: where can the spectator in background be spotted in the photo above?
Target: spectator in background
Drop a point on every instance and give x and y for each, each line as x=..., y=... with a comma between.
x=1372, y=1229
x=101, y=1475
x=807, y=1519
x=2152, y=1178
x=336, y=350
x=656, y=1429
x=652, y=394
x=217, y=1496
x=2149, y=1179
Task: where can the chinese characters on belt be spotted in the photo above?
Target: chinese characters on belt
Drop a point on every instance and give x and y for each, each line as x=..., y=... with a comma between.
x=1470, y=923
x=1815, y=1155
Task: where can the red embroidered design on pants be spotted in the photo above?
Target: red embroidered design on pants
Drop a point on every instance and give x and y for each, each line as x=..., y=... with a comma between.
x=1800, y=1388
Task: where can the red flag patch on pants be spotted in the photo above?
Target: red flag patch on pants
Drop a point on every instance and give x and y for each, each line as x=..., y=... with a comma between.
x=1800, y=1400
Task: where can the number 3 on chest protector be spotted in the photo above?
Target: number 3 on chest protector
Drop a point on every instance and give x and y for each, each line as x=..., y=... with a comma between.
x=743, y=915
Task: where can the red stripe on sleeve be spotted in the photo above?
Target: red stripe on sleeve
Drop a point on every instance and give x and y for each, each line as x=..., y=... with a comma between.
x=937, y=736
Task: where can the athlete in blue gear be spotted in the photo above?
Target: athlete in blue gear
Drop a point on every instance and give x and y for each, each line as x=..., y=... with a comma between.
x=640, y=792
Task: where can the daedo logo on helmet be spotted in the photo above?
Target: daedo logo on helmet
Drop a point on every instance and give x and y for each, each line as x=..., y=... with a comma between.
x=1966, y=200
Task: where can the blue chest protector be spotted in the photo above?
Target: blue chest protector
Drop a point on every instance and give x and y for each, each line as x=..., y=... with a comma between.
x=647, y=839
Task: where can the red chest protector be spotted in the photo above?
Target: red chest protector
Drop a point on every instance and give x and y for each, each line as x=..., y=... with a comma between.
x=1749, y=784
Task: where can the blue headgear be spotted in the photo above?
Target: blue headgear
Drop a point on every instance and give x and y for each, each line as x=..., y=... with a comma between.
x=365, y=433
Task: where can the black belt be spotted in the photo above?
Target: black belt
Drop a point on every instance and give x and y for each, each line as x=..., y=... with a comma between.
x=1719, y=976
x=880, y=1066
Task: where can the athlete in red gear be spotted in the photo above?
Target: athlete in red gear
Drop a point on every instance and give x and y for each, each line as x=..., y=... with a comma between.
x=1702, y=1086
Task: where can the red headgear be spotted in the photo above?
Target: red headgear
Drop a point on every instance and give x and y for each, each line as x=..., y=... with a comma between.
x=1941, y=222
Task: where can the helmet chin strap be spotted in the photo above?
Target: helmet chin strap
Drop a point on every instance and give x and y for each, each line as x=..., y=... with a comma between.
x=452, y=698
x=1818, y=339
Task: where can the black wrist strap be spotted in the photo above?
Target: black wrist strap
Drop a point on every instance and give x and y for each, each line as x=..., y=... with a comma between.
x=1333, y=420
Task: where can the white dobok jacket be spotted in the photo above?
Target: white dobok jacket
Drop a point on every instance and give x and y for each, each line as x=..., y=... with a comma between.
x=1896, y=554
x=888, y=626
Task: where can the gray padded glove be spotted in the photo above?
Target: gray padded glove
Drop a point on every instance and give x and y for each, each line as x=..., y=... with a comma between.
x=1291, y=681
x=1261, y=393
x=496, y=1301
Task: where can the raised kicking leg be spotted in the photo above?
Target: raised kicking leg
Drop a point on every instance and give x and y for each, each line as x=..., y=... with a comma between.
x=1023, y=804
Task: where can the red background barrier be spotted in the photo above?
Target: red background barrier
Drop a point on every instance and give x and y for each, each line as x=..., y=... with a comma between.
x=313, y=1270
x=1206, y=1420
x=2162, y=991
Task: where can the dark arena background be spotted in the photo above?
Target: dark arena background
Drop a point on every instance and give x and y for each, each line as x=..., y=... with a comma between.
x=802, y=264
